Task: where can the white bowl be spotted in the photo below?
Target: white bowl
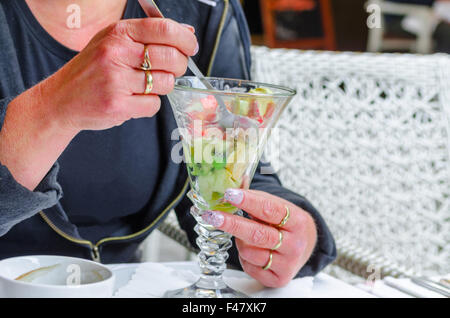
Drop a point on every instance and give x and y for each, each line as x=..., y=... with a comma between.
x=54, y=277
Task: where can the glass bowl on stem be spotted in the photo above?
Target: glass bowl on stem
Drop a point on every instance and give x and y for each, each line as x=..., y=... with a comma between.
x=220, y=156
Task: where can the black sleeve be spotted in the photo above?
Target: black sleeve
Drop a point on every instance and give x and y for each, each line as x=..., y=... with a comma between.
x=233, y=61
x=18, y=203
x=325, y=250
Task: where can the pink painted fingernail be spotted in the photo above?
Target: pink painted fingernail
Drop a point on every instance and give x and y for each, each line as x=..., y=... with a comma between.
x=197, y=48
x=213, y=218
x=234, y=196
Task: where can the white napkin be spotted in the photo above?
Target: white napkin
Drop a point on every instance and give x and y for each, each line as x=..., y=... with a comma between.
x=297, y=288
x=154, y=279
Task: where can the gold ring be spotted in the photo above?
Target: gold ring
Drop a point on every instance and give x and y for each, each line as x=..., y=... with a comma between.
x=146, y=66
x=280, y=234
x=286, y=218
x=148, y=82
x=269, y=262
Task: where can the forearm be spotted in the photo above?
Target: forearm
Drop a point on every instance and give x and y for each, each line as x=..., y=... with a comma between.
x=98, y=89
x=31, y=139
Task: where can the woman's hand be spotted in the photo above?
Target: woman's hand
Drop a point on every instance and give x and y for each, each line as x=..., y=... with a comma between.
x=103, y=86
x=100, y=88
x=256, y=238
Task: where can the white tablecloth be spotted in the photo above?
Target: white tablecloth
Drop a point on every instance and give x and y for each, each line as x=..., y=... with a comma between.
x=324, y=286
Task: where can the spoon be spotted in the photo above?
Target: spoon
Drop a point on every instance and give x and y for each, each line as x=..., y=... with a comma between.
x=226, y=118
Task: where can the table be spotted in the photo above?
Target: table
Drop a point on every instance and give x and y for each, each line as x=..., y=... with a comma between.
x=324, y=286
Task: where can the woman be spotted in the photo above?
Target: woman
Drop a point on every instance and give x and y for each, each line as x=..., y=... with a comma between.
x=82, y=143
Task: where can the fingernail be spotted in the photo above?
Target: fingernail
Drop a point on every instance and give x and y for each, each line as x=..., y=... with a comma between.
x=234, y=196
x=213, y=218
x=196, y=49
x=190, y=27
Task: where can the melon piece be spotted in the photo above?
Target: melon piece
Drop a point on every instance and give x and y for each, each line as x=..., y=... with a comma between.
x=222, y=181
x=261, y=102
x=237, y=161
x=195, y=107
x=244, y=107
x=215, y=182
x=204, y=187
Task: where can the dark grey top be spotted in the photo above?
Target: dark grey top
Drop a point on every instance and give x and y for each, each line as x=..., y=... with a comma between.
x=121, y=181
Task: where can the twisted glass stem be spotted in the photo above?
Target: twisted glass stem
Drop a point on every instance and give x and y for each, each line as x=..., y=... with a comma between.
x=214, y=245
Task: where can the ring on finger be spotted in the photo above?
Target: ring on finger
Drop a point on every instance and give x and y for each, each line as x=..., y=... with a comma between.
x=146, y=65
x=286, y=217
x=269, y=262
x=280, y=240
x=148, y=82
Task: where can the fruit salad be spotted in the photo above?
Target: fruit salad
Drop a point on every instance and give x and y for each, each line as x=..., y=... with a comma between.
x=219, y=159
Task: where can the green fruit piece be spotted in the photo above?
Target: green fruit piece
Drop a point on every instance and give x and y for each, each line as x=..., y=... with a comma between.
x=244, y=107
x=216, y=181
x=204, y=187
x=222, y=181
x=212, y=178
x=224, y=207
x=216, y=196
x=260, y=90
x=201, y=169
x=217, y=204
x=192, y=168
x=238, y=159
x=262, y=102
x=219, y=165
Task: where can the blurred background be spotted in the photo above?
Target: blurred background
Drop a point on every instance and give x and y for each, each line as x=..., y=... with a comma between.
x=417, y=26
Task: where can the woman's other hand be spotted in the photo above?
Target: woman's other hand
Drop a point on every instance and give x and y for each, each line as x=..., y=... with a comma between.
x=268, y=256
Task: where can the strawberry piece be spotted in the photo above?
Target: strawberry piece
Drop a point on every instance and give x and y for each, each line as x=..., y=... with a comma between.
x=269, y=111
x=209, y=103
x=196, y=130
x=254, y=112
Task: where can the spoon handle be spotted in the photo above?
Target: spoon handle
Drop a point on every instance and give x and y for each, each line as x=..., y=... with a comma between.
x=151, y=9
x=196, y=71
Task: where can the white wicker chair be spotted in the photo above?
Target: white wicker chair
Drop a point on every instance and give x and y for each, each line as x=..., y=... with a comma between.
x=366, y=140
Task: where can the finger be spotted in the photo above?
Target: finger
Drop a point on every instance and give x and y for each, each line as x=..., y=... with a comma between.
x=162, y=58
x=263, y=206
x=267, y=277
x=166, y=58
x=252, y=232
x=288, y=245
x=139, y=106
x=190, y=27
x=159, y=31
x=254, y=255
x=163, y=82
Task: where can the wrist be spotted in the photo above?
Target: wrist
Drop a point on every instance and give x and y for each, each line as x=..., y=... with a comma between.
x=48, y=108
x=31, y=140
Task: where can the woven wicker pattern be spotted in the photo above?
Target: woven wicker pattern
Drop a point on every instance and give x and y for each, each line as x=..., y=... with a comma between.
x=171, y=228
x=367, y=141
